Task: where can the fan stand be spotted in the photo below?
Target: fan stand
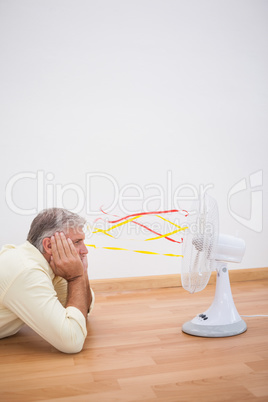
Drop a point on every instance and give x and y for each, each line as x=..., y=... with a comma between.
x=222, y=318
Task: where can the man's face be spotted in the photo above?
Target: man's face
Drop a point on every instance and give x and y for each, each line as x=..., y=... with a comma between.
x=78, y=236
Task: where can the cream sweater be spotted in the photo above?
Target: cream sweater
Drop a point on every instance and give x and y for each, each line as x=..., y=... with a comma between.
x=31, y=294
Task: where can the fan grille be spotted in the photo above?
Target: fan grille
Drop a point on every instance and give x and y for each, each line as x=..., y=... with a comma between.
x=199, y=244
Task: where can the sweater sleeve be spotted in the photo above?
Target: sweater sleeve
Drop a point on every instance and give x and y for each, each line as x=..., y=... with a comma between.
x=32, y=297
x=60, y=286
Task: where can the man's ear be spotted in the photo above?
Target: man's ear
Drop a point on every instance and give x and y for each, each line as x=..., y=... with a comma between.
x=47, y=245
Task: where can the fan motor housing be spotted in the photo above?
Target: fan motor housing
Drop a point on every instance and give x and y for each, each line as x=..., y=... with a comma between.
x=229, y=248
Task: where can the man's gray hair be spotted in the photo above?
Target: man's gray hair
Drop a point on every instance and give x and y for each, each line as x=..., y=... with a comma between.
x=50, y=221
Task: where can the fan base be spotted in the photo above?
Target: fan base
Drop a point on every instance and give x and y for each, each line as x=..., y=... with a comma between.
x=215, y=331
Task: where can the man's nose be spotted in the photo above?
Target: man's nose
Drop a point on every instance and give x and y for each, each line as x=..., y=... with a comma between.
x=84, y=249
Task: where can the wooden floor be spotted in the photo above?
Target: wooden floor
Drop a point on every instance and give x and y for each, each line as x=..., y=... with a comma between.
x=135, y=351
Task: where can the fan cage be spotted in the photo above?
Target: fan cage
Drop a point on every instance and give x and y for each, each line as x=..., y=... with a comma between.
x=199, y=244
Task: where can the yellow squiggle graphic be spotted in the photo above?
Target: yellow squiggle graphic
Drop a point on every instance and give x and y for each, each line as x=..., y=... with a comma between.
x=164, y=219
x=167, y=234
x=135, y=251
x=115, y=226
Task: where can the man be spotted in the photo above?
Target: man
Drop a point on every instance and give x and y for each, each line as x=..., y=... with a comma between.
x=44, y=282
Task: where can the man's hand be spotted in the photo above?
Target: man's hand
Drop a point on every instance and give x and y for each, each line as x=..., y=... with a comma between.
x=65, y=261
x=84, y=262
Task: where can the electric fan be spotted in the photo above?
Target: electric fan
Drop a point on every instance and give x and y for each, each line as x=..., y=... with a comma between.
x=205, y=250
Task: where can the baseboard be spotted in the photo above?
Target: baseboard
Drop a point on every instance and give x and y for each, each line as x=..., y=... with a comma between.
x=174, y=280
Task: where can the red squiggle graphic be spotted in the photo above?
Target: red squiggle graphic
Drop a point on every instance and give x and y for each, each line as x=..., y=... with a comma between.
x=149, y=213
x=158, y=234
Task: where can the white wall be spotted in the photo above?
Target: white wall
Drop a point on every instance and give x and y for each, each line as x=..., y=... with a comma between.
x=99, y=95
